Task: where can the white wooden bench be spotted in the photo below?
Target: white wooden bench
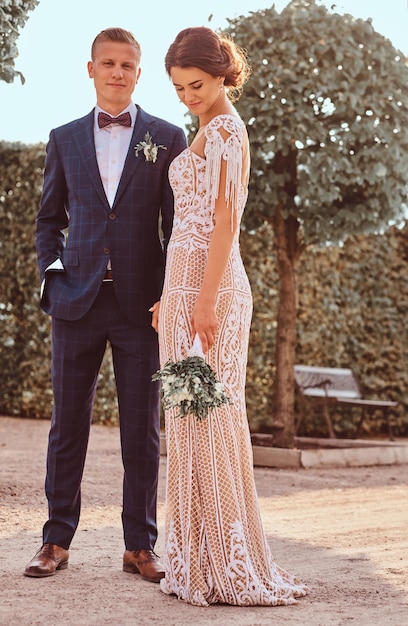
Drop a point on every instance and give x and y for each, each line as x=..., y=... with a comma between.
x=327, y=386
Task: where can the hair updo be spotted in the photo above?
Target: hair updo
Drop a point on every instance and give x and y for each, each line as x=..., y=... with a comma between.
x=212, y=53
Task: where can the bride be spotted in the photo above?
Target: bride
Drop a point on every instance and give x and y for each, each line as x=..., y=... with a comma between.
x=215, y=546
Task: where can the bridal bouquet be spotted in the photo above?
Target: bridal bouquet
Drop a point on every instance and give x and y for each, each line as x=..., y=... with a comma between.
x=191, y=385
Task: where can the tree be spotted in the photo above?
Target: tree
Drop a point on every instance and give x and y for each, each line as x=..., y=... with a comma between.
x=326, y=111
x=13, y=15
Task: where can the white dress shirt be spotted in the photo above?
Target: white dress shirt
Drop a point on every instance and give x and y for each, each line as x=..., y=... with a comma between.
x=112, y=145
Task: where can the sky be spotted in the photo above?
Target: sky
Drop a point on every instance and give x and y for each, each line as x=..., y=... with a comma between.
x=54, y=48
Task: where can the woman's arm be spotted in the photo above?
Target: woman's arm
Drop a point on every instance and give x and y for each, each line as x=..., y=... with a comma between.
x=203, y=319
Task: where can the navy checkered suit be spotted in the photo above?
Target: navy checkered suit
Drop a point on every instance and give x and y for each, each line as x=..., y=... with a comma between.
x=88, y=313
x=127, y=232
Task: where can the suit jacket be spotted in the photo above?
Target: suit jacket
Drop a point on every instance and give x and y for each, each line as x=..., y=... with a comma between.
x=76, y=226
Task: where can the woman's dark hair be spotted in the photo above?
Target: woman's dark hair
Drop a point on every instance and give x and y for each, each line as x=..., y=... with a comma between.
x=213, y=53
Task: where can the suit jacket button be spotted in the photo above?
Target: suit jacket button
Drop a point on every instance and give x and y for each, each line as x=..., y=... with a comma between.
x=112, y=216
x=106, y=251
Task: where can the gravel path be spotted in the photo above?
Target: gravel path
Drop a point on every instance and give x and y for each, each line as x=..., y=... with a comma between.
x=343, y=531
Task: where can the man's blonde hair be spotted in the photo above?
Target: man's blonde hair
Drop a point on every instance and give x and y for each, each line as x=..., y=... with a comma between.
x=119, y=35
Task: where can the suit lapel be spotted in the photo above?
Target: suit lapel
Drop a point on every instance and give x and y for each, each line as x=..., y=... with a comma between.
x=84, y=139
x=143, y=125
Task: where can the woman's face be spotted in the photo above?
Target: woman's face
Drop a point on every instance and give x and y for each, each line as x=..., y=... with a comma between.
x=199, y=91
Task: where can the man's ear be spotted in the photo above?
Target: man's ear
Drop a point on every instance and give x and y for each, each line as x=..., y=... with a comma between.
x=90, y=69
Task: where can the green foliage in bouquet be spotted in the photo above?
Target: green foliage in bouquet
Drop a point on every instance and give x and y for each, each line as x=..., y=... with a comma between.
x=191, y=385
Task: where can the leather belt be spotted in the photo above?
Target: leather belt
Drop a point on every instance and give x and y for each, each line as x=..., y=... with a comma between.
x=108, y=276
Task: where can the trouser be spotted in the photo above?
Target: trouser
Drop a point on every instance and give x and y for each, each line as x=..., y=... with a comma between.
x=77, y=352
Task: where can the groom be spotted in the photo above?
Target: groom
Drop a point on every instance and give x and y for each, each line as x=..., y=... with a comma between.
x=101, y=263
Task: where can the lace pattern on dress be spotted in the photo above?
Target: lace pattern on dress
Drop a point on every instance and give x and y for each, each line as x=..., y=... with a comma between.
x=242, y=585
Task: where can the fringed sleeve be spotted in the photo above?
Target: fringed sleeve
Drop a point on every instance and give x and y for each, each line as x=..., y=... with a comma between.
x=229, y=149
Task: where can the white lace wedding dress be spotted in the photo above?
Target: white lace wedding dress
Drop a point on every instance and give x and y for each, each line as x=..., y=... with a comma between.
x=215, y=547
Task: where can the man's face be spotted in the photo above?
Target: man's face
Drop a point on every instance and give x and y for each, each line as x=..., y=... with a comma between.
x=115, y=71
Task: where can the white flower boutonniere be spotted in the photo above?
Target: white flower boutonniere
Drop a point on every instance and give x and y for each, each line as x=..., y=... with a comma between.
x=149, y=149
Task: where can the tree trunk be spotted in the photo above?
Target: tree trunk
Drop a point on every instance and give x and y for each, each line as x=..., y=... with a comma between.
x=287, y=256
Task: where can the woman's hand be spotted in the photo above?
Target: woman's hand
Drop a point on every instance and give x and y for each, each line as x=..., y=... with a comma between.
x=204, y=323
x=154, y=310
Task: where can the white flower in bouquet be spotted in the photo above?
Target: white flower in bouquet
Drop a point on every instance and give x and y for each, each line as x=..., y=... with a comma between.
x=191, y=385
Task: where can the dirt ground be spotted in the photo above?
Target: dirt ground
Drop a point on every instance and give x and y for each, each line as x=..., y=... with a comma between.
x=343, y=531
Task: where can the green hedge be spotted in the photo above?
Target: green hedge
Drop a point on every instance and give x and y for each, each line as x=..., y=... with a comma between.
x=353, y=304
x=352, y=310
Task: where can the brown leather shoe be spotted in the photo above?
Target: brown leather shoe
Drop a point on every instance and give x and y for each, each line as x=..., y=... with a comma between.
x=47, y=560
x=145, y=563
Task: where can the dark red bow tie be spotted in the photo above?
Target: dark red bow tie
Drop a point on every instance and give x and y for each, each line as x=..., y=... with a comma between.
x=104, y=119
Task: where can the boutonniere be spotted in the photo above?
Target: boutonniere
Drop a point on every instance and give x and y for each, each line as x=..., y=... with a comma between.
x=150, y=149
